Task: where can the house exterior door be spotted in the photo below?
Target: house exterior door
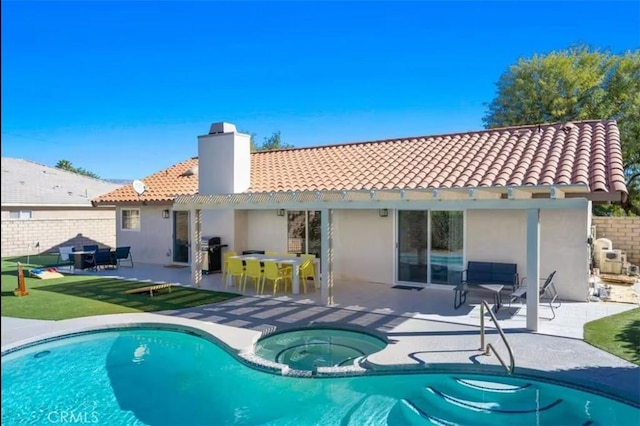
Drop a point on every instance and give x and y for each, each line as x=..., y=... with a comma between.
x=181, y=241
x=430, y=247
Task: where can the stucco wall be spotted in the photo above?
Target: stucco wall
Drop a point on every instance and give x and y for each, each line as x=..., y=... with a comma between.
x=500, y=236
x=54, y=227
x=364, y=243
x=152, y=243
x=241, y=235
x=624, y=233
x=267, y=231
x=363, y=246
x=221, y=223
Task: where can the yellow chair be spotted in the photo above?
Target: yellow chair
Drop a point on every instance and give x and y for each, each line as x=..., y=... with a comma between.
x=308, y=256
x=308, y=270
x=225, y=264
x=235, y=270
x=272, y=253
x=275, y=274
x=287, y=267
x=252, y=270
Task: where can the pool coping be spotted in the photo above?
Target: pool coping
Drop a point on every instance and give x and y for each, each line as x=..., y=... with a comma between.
x=239, y=343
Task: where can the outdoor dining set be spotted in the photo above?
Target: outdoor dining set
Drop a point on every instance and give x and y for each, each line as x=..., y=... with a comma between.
x=95, y=257
x=274, y=268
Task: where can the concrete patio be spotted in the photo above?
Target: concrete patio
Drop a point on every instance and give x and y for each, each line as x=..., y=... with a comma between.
x=433, y=303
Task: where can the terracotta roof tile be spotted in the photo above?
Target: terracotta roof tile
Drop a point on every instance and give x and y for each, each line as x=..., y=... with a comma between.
x=586, y=152
x=181, y=178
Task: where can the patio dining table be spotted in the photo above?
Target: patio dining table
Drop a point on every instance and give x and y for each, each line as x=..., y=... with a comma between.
x=79, y=256
x=461, y=291
x=294, y=262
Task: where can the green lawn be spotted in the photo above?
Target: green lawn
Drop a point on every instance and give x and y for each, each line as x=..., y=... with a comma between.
x=77, y=295
x=618, y=334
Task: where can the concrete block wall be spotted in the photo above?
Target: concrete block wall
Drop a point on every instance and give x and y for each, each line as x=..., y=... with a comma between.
x=624, y=233
x=19, y=235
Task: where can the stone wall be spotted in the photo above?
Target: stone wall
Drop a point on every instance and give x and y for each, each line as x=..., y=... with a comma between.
x=624, y=233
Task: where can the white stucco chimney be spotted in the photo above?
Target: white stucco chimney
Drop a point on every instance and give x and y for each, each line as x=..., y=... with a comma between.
x=224, y=160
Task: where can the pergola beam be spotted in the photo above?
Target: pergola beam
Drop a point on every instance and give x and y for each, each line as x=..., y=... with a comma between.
x=484, y=194
x=556, y=193
x=519, y=194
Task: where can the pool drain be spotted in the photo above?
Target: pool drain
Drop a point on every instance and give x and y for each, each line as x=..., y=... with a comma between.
x=42, y=354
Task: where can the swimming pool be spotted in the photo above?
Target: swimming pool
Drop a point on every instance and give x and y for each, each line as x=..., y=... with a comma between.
x=161, y=377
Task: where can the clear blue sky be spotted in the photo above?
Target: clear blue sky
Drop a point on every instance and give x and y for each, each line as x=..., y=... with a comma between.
x=123, y=89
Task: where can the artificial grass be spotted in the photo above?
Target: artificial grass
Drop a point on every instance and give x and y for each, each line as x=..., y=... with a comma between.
x=81, y=295
x=617, y=334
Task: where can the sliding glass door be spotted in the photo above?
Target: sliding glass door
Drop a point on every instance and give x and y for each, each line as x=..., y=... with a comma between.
x=430, y=246
x=447, y=233
x=413, y=246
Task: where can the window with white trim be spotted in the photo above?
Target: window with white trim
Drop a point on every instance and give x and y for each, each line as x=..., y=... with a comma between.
x=130, y=219
x=21, y=215
x=303, y=232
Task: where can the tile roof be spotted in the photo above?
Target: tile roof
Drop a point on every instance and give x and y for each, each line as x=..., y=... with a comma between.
x=586, y=152
x=163, y=186
x=25, y=183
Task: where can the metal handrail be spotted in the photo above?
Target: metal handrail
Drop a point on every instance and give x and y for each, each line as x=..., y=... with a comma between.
x=489, y=347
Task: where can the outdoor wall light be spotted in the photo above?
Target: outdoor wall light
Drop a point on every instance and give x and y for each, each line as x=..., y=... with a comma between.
x=280, y=212
x=383, y=212
x=165, y=214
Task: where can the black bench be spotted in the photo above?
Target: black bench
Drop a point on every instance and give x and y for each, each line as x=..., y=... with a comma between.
x=486, y=276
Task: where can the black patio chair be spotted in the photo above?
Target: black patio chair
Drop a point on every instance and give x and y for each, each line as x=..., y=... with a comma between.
x=102, y=257
x=123, y=253
x=546, y=292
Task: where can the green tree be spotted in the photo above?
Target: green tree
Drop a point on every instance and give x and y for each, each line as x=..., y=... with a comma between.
x=578, y=83
x=66, y=165
x=272, y=142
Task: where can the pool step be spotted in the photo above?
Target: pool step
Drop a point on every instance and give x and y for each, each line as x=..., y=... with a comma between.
x=493, y=386
x=531, y=404
x=416, y=416
x=463, y=401
x=502, y=395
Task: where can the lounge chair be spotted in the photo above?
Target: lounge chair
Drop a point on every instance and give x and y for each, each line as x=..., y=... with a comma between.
x=65, y=256
x=547, y=292
x=123, y=253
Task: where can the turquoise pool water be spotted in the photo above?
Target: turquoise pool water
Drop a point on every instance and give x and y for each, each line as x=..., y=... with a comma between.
x=317, y=347
x=154, y=377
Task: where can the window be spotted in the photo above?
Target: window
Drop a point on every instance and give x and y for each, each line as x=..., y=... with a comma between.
x=131, y=219
x=20, y=215
x=303, y=232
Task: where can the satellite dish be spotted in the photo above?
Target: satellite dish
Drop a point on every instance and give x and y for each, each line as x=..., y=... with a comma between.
x=139, y=187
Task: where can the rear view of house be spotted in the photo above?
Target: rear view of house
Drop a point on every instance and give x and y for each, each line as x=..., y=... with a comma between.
x=410, y=211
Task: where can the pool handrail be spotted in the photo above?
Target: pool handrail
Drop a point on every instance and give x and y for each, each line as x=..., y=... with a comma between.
x=489, y=347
